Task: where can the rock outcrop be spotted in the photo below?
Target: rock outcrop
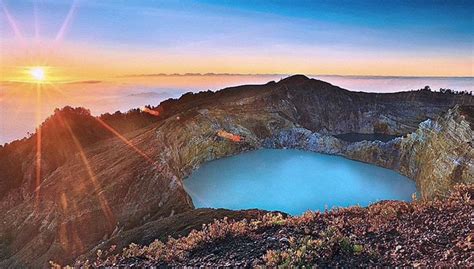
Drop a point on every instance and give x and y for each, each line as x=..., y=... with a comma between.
x=113, y=175
x=440, y=153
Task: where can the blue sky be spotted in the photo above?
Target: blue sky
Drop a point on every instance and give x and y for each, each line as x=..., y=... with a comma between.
x=339, y=29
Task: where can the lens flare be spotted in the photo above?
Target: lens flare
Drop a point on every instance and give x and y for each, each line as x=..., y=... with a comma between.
x=230, y=136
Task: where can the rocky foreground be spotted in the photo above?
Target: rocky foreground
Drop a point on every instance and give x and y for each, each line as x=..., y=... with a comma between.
x=117, y=179
x=420, y=233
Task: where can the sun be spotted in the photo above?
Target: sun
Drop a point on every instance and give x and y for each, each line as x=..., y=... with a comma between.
x=38, y=74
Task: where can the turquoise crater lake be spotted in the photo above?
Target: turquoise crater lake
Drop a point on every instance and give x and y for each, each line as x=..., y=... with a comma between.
x=293, y=181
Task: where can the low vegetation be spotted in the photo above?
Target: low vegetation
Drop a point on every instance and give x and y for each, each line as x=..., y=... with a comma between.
x=446, y=91
x=389, y=233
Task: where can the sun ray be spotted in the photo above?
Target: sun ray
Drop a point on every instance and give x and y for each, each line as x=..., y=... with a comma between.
x=102, y=200
x=126, y=141
x=38, y=144
x=77, y=239
x=13, y=24
x=67, y=22
x=144, y=155
x=57, y=89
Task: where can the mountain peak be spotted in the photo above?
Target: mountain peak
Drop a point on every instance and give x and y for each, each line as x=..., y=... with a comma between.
x=295, y=79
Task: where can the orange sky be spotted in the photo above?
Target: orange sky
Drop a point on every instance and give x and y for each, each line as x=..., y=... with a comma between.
x=91, y=40
x=76, y=61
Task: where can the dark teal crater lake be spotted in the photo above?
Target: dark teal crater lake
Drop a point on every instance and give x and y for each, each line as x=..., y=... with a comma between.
x=293, y=181
x=357, y=137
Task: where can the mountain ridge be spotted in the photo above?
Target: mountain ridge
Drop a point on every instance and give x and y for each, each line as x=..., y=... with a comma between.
x=131, y=174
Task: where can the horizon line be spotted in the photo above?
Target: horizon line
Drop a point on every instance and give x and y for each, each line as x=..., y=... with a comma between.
x=276, y=74
x=283, y=76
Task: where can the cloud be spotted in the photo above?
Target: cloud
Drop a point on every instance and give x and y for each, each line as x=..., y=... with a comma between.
x=84, y=82
x=196, y=74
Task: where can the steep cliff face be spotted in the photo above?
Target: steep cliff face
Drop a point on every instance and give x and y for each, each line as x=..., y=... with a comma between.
x=440, y=153
x=101, y=188
x=437, y=155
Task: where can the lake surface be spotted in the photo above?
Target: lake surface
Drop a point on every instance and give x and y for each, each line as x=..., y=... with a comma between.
x=293, y=181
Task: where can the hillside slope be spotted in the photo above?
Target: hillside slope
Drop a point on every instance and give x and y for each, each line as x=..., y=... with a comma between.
x=102, y=177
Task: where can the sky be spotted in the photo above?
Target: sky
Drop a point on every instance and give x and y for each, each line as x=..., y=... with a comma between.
x=108, y=55
x=89, y=39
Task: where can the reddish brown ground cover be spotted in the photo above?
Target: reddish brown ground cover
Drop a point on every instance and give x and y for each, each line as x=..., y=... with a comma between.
x=420, y=233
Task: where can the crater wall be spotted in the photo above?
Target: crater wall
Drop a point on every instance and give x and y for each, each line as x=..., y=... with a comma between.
x=108, y=185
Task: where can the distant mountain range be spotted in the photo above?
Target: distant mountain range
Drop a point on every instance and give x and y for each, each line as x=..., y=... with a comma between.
x=152, y=94
x=276, y=74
